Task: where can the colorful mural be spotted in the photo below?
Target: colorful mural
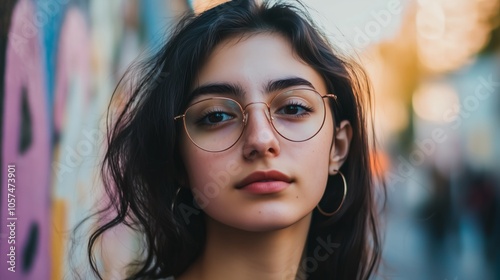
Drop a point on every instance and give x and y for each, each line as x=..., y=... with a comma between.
x=61, y=60
x=26, y=146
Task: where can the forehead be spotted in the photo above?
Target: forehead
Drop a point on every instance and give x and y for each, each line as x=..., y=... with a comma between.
x=251, y=61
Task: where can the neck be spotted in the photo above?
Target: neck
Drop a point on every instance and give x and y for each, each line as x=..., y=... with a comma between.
x=235, y=254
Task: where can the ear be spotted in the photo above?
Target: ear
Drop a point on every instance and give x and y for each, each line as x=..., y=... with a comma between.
x=340, y=146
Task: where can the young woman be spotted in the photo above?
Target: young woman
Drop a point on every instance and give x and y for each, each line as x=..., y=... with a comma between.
x=242, y=153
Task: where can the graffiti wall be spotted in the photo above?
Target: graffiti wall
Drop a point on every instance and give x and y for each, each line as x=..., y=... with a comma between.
x=60, y=61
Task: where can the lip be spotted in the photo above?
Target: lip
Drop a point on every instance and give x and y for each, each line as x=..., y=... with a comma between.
x=264, y=182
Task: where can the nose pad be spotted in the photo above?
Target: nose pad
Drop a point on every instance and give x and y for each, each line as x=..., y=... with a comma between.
x=266, y=112
x=258, y=135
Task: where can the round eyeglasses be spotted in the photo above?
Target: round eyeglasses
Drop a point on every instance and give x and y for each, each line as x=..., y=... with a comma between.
x=215, y=124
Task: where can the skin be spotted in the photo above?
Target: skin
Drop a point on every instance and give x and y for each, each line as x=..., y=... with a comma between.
x=270, y=229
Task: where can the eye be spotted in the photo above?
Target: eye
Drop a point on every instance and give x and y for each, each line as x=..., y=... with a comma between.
x=294, y=109
x=215, y=118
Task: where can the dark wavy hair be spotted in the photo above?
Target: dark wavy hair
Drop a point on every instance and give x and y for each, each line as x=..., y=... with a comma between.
x=142, y=168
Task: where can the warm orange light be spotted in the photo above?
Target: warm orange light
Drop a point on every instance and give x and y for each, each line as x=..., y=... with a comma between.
x=200, y=6
x=450, y=33
x=379, y=163
x=432, y=100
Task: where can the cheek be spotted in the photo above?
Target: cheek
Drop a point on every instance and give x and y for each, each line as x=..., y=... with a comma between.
x=314, y=158
x=313, y=168
x=209, y=174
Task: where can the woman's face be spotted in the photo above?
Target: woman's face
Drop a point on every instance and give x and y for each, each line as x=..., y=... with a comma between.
x=263, y=182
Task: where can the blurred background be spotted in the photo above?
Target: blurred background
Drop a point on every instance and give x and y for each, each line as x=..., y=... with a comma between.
x=434, y=66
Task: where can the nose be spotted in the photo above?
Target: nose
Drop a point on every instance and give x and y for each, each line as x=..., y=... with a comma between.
x=260, y=138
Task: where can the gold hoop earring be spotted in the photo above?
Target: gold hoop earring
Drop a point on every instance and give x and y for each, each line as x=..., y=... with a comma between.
x=341, y=203
x=175, y=198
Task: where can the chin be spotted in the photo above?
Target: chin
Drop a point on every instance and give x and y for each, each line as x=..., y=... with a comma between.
x=264, y=222
x=266, y=227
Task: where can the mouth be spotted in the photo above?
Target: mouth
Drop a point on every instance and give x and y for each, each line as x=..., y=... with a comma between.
x=264, y=182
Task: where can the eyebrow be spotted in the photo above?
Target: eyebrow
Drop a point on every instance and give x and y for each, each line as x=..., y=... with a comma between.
x=218, y=88
x=237, y=91
x=281, y=84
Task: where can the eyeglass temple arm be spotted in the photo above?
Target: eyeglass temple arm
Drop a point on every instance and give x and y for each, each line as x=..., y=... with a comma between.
x=330, y=95
x=179, y=117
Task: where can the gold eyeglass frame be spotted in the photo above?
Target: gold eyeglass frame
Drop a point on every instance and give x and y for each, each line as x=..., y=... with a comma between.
x=245, y=114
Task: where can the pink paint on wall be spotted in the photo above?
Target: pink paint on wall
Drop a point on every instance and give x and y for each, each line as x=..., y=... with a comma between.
x=73, y=62
x=26, y=144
